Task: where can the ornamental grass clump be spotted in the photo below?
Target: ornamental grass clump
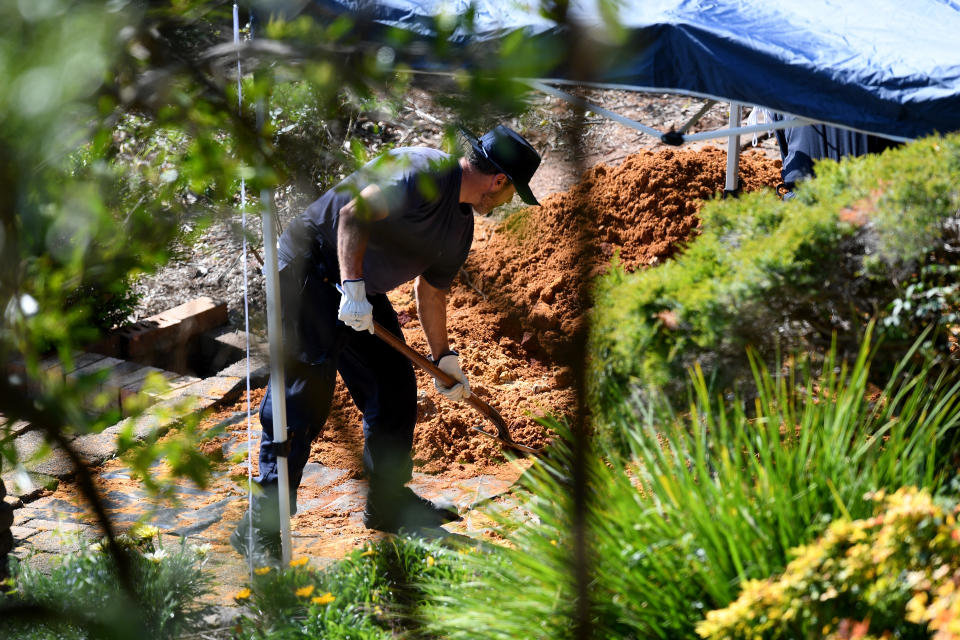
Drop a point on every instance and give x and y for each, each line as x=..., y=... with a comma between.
x=894, y=575
x=81, y=597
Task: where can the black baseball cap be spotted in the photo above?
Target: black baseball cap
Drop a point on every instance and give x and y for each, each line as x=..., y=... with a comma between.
x=511, y=154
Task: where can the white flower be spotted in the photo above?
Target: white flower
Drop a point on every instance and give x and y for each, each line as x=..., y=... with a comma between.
x=156, y=556
x=201, y=550
x=145, y=531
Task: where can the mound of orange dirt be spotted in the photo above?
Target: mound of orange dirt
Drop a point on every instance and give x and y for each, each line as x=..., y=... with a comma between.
x=643, y=210
x=516, y=305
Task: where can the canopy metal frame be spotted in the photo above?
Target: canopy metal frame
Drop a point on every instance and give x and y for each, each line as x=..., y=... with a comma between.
x=679, y=137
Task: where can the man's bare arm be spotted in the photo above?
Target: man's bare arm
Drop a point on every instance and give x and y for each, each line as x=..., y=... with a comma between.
x=353, y=230
x=432, y=308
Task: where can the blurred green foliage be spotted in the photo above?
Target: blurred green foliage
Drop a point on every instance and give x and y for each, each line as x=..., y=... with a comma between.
x=122, y=134
x=83, y=598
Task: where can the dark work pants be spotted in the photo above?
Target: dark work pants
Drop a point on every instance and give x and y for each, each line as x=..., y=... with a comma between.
x=380, y=380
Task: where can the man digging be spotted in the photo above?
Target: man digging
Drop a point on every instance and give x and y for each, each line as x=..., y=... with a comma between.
x=372, y=233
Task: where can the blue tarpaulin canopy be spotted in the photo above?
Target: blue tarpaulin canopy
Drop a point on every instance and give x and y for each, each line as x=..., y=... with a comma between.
x=879, y=66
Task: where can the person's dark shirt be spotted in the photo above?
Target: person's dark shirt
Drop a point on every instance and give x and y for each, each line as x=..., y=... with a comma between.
x=426, y=231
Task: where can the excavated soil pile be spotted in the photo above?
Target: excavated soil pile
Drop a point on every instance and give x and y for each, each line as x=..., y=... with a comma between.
x=515, y=307
x=643, y=210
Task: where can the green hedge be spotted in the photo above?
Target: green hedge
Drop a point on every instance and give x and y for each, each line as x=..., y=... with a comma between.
x=870, y=237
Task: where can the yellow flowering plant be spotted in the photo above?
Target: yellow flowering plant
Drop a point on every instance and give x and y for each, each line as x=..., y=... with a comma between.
x=304, y=592
x=893, y=575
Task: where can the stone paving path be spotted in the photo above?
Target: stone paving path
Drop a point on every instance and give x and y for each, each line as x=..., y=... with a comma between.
x=327, y=526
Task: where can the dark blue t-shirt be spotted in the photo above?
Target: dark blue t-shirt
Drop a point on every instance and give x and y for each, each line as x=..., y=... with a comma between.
x=426, y=232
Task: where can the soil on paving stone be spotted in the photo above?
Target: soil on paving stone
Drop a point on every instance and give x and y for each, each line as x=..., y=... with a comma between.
x=515, y=307
x=510, y=314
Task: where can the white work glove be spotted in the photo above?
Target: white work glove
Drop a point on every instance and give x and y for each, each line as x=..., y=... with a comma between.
x=355, y=310
x=450, y=364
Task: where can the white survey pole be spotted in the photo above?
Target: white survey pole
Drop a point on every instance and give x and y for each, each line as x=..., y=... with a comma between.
x=733, y=150
x=246, y=297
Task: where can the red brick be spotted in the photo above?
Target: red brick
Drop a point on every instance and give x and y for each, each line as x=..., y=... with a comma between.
x=171, y=329
x=145, y=337
x=202, y=311
x=110, y=345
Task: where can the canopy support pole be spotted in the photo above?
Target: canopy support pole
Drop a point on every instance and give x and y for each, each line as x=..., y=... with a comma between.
x=744, y=130
x=275, y=339
x=697, y=116
x=274, y=329
x=277, y=378
x=675, y=138
x=733, y=151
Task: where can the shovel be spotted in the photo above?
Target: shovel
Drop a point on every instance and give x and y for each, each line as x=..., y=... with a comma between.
x=491, y=414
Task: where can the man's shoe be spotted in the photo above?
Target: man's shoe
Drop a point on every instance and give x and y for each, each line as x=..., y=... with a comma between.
x=263, y=546
x=403, y=509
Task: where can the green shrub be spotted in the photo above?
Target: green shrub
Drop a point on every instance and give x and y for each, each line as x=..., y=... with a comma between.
x=366, y=596
x=873, y=237
x=893, y=575
x=84, y=599
x=709, y=499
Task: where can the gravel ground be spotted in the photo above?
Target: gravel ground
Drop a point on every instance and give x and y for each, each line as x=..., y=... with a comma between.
x=214, y=267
